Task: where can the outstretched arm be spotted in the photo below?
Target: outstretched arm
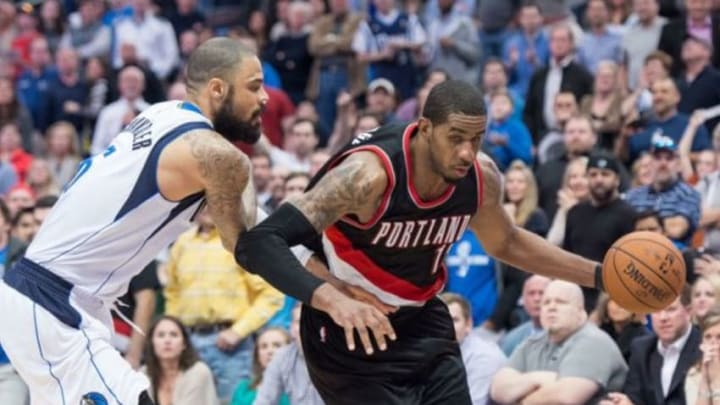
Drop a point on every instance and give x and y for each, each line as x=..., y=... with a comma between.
x=352, y=187
x=518, y=247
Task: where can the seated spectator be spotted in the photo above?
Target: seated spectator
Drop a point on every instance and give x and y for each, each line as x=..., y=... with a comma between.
x=12, y=111
x=603, y=106
x=299, y=144
x=704, y=377
x=494, y=80
x=177, y=376
x=20, y=196
x=507, y=138
x=42, y=208
x=705, y=294
x=266, y=345
x=381, y=99
x=677, y=203
x=599, y=43
x=34, y=84
x=563, y=361
x=40, y=179
x=659, y=363
x=482, y=359
x=409, y=110
x=531, y=299
x=86, y=32
x=622, y=325
x=699, y=81
x=642, y=170
x=68, y=91
x=317, y=160
x=637, y=107
x=551, y=146
x=99, y=88
x=287, y=374
x=575, y=188
x=24, y=226
x=62, y=152
x=11, y=151
x=276, y=186
x=695, y=166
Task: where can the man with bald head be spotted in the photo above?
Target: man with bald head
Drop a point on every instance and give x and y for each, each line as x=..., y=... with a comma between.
x=532, y=294
x=561, y=365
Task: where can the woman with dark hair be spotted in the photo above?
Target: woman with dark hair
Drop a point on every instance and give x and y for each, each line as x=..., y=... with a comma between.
x=12, y=111
x=177, y=376
x=703, y=379
x=52, y=23
x=623, y=326
x=268, y=342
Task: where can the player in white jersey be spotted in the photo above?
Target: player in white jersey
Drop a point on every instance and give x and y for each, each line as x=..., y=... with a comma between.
x=122, y=207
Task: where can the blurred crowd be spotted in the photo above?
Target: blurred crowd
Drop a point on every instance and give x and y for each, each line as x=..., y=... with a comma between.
x=602, y=115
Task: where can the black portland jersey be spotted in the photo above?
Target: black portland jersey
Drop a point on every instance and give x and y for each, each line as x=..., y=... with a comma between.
x=399, y=254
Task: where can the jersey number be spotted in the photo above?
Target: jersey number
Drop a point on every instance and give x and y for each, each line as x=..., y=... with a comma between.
x=86, y=164
x=439, y=257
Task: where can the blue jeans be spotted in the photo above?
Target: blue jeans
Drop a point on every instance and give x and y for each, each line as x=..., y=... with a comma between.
x=332, y=82
x=228, y=368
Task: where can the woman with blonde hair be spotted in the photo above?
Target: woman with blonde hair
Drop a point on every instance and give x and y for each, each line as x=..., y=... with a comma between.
x=603, y=106
x=574, y=189
x=703, y=379
x=705, y=294
x=63, y=151
x=268, y=342
x=41, y=180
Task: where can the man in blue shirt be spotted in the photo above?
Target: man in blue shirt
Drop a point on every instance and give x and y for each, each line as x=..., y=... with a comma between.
x=676, y=201
x=33, y=85
x=668, y=122
x=599, y=43
x=527, y=49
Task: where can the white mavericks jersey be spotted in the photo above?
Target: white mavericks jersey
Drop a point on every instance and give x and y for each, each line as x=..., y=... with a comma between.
x=111, y=219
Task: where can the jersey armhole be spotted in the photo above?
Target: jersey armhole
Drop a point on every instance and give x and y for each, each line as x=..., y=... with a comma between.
x=385, y=203
x=479, y=179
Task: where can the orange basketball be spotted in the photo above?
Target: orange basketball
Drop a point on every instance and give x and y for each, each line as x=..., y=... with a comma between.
x=643, y=272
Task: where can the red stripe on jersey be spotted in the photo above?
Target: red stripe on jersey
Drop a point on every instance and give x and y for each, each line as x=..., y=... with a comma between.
x=377, y=275
x=480, y=184
x=414, y=196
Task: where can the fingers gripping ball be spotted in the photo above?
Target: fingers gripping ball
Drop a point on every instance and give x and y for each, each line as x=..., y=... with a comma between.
x=643, y=272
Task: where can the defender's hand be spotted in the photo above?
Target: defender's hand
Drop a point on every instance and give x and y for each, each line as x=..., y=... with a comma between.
x=354, y=315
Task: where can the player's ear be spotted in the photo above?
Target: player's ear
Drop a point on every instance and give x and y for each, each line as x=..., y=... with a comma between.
x=217, y=89
x=424, y=127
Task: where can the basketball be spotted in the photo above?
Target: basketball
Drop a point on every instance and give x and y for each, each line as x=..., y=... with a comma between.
x=643, y=272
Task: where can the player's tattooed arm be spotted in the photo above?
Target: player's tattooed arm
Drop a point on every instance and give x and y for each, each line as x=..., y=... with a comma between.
x=355, y=186
x=225, y=174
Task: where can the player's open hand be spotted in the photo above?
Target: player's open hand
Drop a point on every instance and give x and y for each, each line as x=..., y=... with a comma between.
x=353, y=315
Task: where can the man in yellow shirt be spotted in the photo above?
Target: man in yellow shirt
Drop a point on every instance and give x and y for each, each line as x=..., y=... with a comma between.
x=220, y=303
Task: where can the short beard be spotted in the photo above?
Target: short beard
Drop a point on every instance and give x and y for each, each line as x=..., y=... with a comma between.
x=602, y=196
x=229, y=124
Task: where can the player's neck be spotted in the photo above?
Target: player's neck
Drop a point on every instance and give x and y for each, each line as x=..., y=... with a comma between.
x=201, y=103
x=428, y=184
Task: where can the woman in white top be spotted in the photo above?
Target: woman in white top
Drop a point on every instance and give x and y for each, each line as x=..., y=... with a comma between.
x=177, y=376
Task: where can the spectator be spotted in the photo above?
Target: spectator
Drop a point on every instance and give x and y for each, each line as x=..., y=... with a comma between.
x=573, y=189
x=604, y=105
x=317, y=160
x=677, y=203
x=705, y=293
x=24, y=226
x=261, y=165
x=27, y=33
x=562, y=74
x=68, y=92
x=495, y=17
x=561, y=362
x=276, y=186
x=11, y=151
x=96, y=78
x=389, y=41
x=495, y=79
x=641, y=37
x=116, y=115
x=507, y=138
x=63, y=154
x=605, y=213
x=40, y=179
x=642, y=170
x=638, y=106
x=703, y=376
x=186, y=17
x=411, y=108
x=335, y=68
x=350, y=122
x=176, y=374
x=482, y=359
x=153, y=37
x=8, y=28
x=289, y=53
x=299, y=144
x=526, y=50
x=19, y=197
x=551, y=146
x=42, y=208
x=660, y=362
x=620, y=324
x=138, y=307
x=221, y=308
x=11, y=248
x=267, y=344
x=599, y=43
x=154, y=90
x=698, y=22
x=13, y=111
x=454, y=44
x=279, y=111
x=669, y=123
x=532, y=294
x=86, y=33
x=287, y=374
x=381, y=99
x=34, y=84
x=52, y=23
x=699, y=81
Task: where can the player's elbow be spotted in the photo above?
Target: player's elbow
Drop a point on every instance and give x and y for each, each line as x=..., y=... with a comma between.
x=505, y=248
x=250, y=247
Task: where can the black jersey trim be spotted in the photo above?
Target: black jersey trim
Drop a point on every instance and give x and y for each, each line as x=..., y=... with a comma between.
x=385, y=203
x=414, y=196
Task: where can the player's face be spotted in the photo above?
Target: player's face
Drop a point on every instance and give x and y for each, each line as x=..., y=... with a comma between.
x=167, y=340
x=671, y=323
x=463, y=326
x=268, y=343
x=454, y=145
x=703, y=298
x=237, y=118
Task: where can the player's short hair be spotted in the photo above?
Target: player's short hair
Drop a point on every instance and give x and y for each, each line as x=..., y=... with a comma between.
x=453, y=97
x=215, y=58
x=452, y=298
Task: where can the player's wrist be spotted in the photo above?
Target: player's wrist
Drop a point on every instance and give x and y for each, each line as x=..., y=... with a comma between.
x=598, y=277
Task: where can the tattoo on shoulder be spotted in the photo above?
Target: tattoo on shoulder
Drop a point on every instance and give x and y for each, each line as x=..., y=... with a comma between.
x=344, y=190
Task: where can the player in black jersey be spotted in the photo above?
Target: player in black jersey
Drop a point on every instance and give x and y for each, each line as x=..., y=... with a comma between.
x=387, y=207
